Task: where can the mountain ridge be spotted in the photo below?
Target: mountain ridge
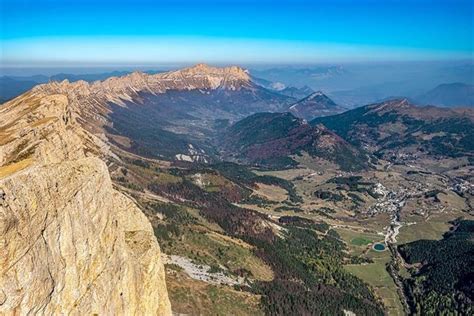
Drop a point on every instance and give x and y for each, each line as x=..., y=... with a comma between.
x=200, y=76
x=397, y=128
x=118, y=90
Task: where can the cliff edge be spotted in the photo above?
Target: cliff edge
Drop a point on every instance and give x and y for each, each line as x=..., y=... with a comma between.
x=69, y=242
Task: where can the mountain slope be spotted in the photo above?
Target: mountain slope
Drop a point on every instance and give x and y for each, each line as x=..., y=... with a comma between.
x=269, y=139
x=174, y=111
x=450, y=95
x=397, y=128
x=70, y=241
x=315, y=105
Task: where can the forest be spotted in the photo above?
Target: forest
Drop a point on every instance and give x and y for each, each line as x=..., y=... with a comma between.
x=442, y=272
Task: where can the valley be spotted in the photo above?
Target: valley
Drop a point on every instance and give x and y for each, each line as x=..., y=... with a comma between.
x=256, y=210
x=384, y=204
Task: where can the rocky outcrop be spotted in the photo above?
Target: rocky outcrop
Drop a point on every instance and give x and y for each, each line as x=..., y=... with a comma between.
x=69, y=242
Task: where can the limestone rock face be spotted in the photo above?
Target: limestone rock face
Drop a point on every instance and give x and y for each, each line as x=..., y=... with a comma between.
x=69, y=242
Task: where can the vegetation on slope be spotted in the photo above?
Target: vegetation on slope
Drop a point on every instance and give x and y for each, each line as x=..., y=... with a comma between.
x=396, y=125
x=442, y=272
x=310, y=278
x=306, y=257
x=270, y=139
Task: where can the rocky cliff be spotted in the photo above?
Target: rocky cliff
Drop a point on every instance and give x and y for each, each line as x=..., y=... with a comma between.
x=69, y=242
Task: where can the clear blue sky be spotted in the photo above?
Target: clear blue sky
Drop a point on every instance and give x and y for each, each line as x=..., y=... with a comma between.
x=46, y=32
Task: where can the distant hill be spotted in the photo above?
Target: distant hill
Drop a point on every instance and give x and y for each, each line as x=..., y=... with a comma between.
x=298, y=93
x=87, y=77
x=269, y=139
x=315, y=105
x=399, y=129
x=294, y=92
x=301, y=76
x=13, y=86
x=449, y=95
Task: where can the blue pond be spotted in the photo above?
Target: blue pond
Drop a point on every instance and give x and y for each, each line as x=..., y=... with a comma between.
x=379, y=247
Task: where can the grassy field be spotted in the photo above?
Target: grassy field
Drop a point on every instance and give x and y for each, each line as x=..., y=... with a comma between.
x=288, y=174
x=433, y=228
x=377, y=276
x=374, y=274
x=361, y=241
x=271, y=192
x=357, y=241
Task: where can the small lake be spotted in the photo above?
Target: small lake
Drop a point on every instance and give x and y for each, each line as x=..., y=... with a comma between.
x=379, y=247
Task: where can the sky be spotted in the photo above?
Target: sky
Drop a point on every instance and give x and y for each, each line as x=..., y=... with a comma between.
x=141, y=32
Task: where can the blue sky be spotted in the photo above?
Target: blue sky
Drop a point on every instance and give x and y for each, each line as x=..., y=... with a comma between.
x=54, y=32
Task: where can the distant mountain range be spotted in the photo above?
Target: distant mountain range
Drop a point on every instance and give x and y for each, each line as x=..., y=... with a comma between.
x=450, y=95
x=296, y=82
x=301, y=76
x=294, y=92
x=354, y=85
x=12, y=86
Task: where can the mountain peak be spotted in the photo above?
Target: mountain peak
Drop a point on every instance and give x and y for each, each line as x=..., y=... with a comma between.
x=314, y=105
x=203, y=76
x=316, y=94
x=204, y=69
x=201, y=65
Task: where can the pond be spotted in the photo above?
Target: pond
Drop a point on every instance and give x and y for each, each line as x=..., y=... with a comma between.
x=379, y=247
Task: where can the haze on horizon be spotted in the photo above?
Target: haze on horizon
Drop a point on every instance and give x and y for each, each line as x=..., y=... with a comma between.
x=65, y=33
